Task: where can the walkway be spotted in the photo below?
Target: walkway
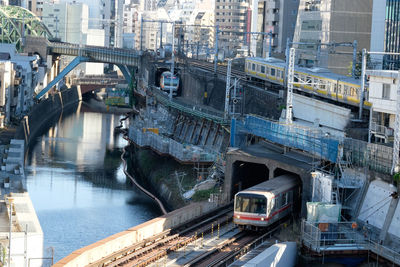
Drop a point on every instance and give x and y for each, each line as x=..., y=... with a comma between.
x=118, y=56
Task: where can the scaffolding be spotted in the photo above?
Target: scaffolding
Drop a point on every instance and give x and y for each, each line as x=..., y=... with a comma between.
x=354, y=152
x=165, y=145
x=303, y=138
x=338, y=237
x=374, y=157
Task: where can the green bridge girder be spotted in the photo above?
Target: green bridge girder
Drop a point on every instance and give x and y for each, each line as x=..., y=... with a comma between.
x=17, y=22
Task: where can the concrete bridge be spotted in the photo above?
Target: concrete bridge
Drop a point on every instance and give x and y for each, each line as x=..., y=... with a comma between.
x=89, y=83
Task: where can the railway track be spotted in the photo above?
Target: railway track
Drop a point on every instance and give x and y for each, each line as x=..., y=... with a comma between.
x=156, y=247
x=227, y=252
x=221, y=69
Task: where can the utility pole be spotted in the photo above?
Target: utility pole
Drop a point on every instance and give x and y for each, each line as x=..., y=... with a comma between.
x=161, y=34
x=362, y=87
x=396, y=143
x=353, y=68
x=289, y=97
x=227, y=88
x=270, y=44
x=9, y=236
x=141, y=33
x=216, y=49
x=172, y=58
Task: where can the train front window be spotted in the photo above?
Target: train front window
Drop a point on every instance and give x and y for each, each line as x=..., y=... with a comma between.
x=170, y=82
x=251, y=203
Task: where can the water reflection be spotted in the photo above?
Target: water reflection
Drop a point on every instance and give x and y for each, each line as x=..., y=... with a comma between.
x=77, y=185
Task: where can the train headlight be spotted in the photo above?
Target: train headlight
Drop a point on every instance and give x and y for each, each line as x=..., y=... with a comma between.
x=238, y=216
x=262, y=219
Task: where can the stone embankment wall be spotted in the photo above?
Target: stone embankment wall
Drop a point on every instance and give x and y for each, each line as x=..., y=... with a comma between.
x=197, y=84
x=32, y=124
x=94, y=253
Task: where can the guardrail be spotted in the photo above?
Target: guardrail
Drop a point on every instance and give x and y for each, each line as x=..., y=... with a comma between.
x=98, y=53
x=340, y=236
x=201, y=112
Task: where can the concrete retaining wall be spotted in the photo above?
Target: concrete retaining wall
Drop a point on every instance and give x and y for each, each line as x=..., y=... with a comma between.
x=41, y=112
x=119, y=241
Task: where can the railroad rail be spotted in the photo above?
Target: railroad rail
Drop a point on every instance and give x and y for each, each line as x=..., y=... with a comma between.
x=156, y=247
x=227, y=252
x=210, y=67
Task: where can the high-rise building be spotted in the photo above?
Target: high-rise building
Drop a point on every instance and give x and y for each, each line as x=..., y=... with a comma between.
x=278, y=18
x=233, y=18
x=385, y=31
x=322, y=25
x=70, y=23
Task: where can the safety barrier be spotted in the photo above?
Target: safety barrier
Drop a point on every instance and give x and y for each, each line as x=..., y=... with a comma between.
x=165, y=145
x=306, y=139
x=359, y=153
x=341, y=236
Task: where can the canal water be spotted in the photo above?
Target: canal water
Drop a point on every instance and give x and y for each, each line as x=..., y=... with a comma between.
x=77, y=185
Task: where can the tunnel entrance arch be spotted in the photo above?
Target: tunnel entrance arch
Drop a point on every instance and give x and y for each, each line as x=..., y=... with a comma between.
x=247, y=174
x=298, y=204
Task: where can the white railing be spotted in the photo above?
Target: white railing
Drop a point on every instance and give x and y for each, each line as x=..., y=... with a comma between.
x=381, y=130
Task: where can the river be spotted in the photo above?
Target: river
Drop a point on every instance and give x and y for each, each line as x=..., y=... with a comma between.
x=77, y=185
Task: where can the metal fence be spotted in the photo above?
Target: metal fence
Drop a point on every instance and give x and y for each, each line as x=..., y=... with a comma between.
x=169, y=146
x=340, y=236
x=320, y=236
x=373, y=156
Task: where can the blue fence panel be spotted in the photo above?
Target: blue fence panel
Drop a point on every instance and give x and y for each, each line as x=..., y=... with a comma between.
x=308, y=140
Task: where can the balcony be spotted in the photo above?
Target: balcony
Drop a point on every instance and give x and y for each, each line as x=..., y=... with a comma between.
x=381, y=131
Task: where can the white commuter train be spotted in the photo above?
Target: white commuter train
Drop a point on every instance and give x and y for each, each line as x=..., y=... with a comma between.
x=266, y=203
x=318, y=81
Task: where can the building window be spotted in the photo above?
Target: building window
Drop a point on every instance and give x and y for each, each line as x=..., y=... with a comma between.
x=386, y=91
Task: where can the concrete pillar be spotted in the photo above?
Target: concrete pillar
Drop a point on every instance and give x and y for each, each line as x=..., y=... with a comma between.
x=389, y=217
x=271, y=171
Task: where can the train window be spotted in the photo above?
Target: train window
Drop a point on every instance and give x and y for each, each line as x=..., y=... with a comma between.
x=339, y=89
x=308, y=80
x=322, y=85
x=258, y=68
x=346, y=90
x=353, y=91
x=250, y=203
x=253, y=67
x=258, y=205
x=262, y=69
x=272, y=72
x=295, y=79
x=285, y=198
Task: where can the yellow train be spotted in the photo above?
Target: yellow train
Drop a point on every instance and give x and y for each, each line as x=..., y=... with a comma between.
x=316, y=81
